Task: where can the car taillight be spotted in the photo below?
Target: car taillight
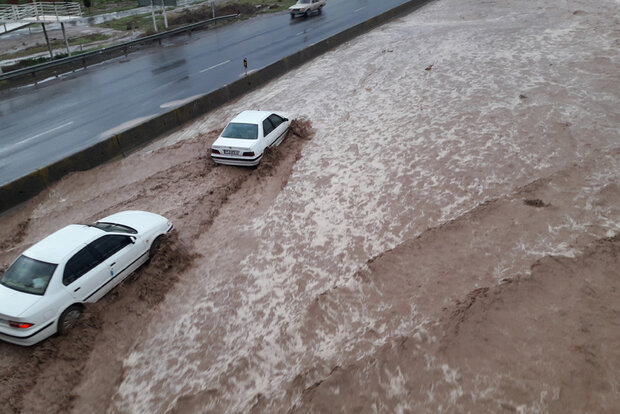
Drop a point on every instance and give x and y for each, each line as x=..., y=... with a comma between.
x=20, y=325
x=248, y=154
x=214, y=151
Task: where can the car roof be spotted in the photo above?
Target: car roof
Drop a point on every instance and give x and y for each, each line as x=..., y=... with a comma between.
x=251, y=117
x=57, y=246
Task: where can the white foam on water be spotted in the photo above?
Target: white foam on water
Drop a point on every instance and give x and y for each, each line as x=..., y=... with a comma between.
x=397, y=150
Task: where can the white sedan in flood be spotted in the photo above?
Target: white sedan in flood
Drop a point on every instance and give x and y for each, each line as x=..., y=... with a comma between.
x=245, y=138
x=44, y=290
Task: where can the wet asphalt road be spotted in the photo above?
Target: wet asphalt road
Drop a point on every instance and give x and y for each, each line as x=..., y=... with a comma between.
x=43, y=123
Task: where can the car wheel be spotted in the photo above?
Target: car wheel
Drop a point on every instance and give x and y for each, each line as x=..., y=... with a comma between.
x=306, y=14
x=292, y=16
x=320, y=10
x=68, y=319
x=155, y=246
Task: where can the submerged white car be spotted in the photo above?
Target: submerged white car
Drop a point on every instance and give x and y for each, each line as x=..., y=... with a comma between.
x=245, y=138
x=44, y=290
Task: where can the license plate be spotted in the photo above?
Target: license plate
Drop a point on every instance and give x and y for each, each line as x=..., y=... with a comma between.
x=231, y=152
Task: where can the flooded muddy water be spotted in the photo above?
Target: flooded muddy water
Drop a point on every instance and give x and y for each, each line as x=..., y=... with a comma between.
x=439, y=233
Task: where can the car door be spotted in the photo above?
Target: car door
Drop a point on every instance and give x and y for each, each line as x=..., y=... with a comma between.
x=280, y=128
x=268, y=132
x=121, y=254
x=84, y=273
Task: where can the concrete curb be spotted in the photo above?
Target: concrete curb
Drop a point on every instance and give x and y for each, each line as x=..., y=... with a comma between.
x=124, y=143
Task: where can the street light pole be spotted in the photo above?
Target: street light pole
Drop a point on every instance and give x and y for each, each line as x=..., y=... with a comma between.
x=64, y=34
x=47, y=40
x=163, y=9
x=153, y=15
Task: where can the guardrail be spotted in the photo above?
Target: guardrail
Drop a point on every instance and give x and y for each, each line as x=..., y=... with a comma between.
x=14, y=13
x=84, y=60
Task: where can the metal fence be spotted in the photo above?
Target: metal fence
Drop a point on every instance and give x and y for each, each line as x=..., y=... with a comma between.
x=34, y=12
x=59, y=66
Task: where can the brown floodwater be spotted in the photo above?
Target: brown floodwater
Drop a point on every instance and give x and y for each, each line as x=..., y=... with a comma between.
x=438, y=233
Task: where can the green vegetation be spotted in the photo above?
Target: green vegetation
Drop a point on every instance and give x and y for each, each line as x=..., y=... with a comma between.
x=39, y=60
x=142, y=22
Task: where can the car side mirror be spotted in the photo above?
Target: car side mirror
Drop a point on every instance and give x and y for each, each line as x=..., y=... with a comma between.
x=132, y=239
x=285, y=119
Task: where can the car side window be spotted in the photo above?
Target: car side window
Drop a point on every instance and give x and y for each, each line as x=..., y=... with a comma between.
x=106, y=246
x=276, y=120
x=79, y=264
x=267, y=127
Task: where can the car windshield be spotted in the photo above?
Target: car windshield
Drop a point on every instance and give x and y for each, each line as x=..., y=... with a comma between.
x=304, y=2
x=241, y=131
x=28, y=275
x=114, y=228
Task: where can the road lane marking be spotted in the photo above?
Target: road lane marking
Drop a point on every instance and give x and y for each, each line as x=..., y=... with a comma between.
x=361, y=8
x=48, y=131
x=22, y=142
x=215, y=66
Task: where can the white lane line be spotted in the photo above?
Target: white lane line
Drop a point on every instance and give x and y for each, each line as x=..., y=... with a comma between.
x=215, y=66
x=48, y=131
x=22, y=142
x=361, y=8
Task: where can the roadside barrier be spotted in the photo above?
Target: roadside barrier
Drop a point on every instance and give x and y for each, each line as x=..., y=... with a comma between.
x=124, y=143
